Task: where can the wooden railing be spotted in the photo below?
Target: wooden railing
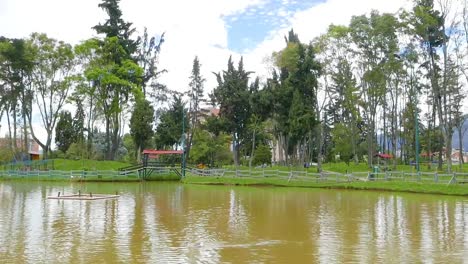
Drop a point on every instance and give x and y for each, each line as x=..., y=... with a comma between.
x=446, y=178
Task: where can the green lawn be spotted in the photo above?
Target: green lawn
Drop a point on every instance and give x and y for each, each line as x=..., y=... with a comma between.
x=342, y=167
x=414, y=187
x=100, y=165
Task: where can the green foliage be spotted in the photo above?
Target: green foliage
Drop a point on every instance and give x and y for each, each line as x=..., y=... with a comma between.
x=232, y=94
x=141, y=123
x=84, y=164
x=262, y=155
x=196, y=99
x=294, y=94
x=288, y=58
x=76, y=151
x=114, y=83
x=169, y=129
x=65, y=132
x=6, y=154
x=210, y=149
x=148, y=58
x=343, y=145
x=115, y=26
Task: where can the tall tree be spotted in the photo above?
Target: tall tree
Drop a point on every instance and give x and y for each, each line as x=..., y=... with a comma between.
x=86, y=89
x=148, y=59
x=169, y=129
x=51, y=82
x=141, y=123
x=376, y=43
x=115, y=26
x=232, y=95
x=64, y=131
x=113, y=84
x=195, y=94
x=16, y=64
x=295, y=98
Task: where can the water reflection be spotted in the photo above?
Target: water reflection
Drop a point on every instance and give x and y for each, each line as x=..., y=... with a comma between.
x=160, y=223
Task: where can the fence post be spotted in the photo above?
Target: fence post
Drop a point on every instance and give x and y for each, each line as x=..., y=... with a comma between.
x=454, y=179
x=290, y=176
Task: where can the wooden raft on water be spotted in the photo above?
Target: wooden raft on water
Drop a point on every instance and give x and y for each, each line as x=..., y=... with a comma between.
x=85, y=197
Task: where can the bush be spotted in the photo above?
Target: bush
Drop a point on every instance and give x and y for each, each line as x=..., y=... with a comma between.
x=262, y=155
x=76, y=151
x=6, y=155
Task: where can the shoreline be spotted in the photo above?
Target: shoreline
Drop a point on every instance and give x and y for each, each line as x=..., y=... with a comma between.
x=388, y=186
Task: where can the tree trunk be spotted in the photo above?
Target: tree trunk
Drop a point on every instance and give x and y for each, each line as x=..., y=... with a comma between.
x=448, y=152
x=460, y=146
x=15, y=138
x=253, y=149
x=108, y=140
x=320, y=147
x=44, y=147
x=10, y=139
x=25, y=134
x=353, y=143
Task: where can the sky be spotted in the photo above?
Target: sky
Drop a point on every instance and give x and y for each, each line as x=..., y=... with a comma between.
x=213, y=30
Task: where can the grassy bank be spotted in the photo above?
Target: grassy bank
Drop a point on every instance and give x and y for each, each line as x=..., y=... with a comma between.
x=413, y=187
x=342, y=167
x=91, y=178
x=102, y=165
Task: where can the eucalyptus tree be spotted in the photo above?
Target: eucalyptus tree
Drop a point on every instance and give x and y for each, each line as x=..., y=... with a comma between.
x=16, y=63
x=435, y=29
x=115, y=73
x=51, y=82
x=338, y=88
x=376, y=43
x=113, y=83
x=85, y=92
x=148, y=51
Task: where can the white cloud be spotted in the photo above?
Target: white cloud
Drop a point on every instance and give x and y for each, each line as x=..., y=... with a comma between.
x=314, y=21
x=192, y=28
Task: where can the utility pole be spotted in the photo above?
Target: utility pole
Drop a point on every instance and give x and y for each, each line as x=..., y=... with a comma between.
x=416, y=134
x=183, y=143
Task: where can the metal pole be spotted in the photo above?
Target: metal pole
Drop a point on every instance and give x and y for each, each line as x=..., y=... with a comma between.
x=183, y=143
x=416, y=131
x=416, y=122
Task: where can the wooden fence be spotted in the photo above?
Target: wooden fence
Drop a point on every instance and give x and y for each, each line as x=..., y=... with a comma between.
x=440, y=178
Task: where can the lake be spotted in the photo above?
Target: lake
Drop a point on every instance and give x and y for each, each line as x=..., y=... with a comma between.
x=157, y=222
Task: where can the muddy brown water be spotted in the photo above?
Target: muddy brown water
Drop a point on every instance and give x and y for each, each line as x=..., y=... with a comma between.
x=176, y=223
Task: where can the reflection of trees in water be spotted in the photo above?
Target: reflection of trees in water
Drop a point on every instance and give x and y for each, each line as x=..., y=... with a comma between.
x=179, y=223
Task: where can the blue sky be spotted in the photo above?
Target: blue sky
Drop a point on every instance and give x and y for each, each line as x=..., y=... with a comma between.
x=251, y=26
x=213, y=30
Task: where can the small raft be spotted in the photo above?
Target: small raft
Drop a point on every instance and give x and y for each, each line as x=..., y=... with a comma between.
x=86, y=197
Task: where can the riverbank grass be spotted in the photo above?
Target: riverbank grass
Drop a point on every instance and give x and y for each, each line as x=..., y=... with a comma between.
x=397, y=186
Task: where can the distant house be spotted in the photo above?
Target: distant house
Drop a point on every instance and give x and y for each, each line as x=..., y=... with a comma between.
x=204, y=113
x=33, y=151
x=456, y=157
